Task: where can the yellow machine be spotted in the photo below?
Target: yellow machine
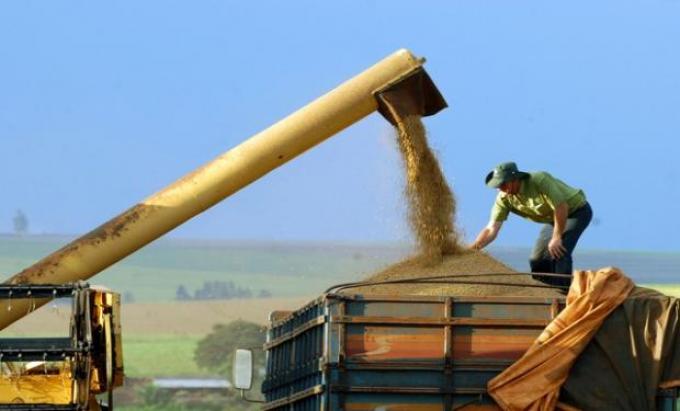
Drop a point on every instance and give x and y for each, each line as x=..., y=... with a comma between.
x=63, y=372
x=400, y=74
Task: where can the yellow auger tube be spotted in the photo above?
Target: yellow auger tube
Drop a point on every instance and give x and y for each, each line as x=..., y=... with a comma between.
x=211, y=183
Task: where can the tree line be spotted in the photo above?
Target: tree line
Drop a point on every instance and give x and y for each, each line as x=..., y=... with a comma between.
x=219, y=290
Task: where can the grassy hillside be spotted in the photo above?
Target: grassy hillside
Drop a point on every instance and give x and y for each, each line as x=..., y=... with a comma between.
x=155, y=272
x=668, y=289
x=146, y=356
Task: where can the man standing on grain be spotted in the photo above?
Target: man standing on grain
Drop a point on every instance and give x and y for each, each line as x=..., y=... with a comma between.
x=542, y=198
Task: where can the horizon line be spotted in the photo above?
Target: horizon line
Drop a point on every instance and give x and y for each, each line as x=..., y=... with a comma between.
x=397, y=245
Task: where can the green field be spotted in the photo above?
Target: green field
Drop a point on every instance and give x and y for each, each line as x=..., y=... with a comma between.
x=668, y=289
x=147, y=356
x=285, y=270
x=155, y=272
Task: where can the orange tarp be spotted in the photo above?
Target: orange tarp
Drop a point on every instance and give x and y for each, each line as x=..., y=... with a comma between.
x=534, y=381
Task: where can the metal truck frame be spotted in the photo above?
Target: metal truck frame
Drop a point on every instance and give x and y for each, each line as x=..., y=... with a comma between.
x=402, y=352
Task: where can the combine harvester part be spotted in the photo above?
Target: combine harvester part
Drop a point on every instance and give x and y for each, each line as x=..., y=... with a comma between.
x=64, y=372
x=233, y=170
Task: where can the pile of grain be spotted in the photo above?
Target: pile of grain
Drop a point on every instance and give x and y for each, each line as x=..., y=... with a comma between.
x=471, y=263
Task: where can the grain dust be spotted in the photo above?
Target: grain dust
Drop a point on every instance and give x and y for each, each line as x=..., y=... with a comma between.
x=431, y=203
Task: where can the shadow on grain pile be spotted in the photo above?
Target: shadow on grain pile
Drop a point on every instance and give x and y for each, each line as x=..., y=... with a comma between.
x=431, y=215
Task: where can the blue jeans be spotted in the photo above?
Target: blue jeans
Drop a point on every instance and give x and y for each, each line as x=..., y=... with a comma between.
x=541, y=261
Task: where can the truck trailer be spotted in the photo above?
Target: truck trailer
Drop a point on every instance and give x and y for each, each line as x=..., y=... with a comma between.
x=361, y=352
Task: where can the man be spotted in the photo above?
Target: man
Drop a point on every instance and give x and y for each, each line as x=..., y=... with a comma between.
x=540, y=197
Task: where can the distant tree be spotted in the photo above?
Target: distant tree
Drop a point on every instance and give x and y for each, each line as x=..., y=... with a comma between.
x=244, y=293
x=182, y=294
x=20, y=223
x=216, y=350
x=221, y=290
x=264, y=294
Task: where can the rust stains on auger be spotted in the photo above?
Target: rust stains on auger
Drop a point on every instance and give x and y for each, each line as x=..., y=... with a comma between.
x=54, y=264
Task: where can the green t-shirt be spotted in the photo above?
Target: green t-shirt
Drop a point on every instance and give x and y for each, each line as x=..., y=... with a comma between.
x=537, y=198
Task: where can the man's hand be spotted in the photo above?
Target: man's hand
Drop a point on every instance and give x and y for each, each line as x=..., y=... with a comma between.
x=474, y=247
x=556, y=249
x=486, y=236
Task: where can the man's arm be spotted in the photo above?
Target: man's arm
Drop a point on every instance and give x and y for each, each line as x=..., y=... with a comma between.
x=555, y=247
x=487, y=235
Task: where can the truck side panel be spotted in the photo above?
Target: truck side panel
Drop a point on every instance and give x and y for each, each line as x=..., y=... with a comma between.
x=410, y=353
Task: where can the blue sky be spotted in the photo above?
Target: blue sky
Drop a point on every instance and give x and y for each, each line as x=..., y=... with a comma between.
x=104, y=103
